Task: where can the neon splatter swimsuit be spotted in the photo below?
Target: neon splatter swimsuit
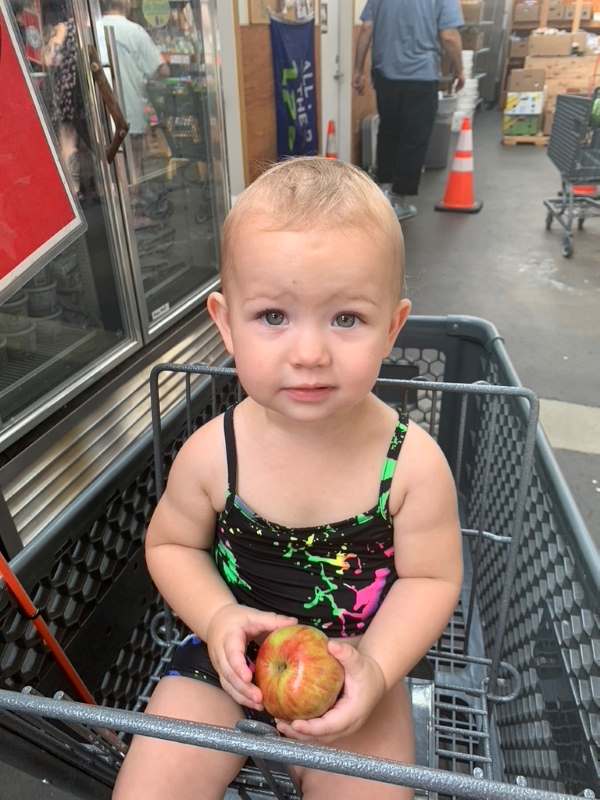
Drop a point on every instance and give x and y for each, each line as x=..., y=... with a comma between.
x=334, y=577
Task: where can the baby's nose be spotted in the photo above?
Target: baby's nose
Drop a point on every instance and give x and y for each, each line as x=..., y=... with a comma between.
x=310, y=349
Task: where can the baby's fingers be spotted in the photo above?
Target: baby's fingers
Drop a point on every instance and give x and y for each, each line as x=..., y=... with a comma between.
x=245, y=692
x=239, y=697
x=234, y=649
x=333, y=724
x=265, y=622
x=234, y=670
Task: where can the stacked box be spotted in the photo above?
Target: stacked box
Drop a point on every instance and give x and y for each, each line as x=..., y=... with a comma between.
x=530, y=79
x=559, y=43
x=548, y=122
x=586, y=11
x=526, y=125
x=568, y=75
x=472, y=10
x=528, y=11
x=472, y=38
x=518, y=47
x=524, y=103
x=556, y=11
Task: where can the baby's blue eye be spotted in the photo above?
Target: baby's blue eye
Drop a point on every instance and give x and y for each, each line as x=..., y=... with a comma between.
x=274, y=318
x=345, y=320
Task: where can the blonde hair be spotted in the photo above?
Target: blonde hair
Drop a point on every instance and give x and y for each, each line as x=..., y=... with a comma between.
x=316, y=192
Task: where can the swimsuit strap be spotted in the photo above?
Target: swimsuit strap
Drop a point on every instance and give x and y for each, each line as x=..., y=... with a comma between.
x=389, y=465
x=231, y=451
x=387, y=472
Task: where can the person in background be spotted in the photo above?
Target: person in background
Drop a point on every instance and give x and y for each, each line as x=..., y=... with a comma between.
x=139, y=60
x=64, y=97
x=407, y=37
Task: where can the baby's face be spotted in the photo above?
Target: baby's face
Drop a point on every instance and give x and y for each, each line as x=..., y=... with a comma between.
x=309, y=316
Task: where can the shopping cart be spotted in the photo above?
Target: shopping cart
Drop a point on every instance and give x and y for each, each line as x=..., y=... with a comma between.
x=513, y=710
x=575, y=150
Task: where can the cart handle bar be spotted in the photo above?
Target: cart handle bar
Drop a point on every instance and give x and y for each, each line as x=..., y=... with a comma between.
x=275, y=748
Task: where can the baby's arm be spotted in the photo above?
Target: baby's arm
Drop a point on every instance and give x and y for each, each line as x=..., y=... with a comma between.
x=428, y=559
x=178, y=554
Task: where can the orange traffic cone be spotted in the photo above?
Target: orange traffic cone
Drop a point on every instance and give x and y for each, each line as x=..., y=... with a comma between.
x=331, y=148
x=460, y=192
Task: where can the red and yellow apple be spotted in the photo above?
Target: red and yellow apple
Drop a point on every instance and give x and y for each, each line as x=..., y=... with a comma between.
x=298, y=677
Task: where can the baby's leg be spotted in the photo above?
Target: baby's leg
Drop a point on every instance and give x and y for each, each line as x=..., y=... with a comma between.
x=388, y=733
x=155, y=768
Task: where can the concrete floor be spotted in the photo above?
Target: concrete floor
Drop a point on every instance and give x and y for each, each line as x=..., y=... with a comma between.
x=501, y=264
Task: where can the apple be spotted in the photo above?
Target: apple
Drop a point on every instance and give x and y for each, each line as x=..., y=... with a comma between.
x=298, y=677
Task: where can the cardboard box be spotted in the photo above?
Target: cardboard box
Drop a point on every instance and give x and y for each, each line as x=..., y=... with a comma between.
x=563, y=67
x=472, y=10
x=548, y=122
x=527, y=12
x=558, y=44
x=555, y=88
x=556, y=11
x=528, y=125
x=472, y=38
x=580, y=41
x=526, y=80
x=520, y=103
x=518, y=47
x=586, y=11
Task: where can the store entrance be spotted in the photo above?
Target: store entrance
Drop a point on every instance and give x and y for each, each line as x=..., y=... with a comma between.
x=153, y=213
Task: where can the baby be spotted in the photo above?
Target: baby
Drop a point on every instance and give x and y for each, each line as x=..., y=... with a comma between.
x=311, y=500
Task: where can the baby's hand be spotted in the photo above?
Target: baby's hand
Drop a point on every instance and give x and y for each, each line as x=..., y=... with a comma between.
x=229, y=632
x=364, y=686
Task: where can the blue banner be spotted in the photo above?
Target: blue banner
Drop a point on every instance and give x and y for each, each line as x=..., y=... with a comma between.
x=293, y=48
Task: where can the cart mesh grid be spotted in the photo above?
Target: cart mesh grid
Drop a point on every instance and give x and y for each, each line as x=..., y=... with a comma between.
x=574, y=144
x=545, y=734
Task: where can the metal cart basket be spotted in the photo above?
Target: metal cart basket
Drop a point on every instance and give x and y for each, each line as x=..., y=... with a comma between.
x=513, y=710
x=575, y=150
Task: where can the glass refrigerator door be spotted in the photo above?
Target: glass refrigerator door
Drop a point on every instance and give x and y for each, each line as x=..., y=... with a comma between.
x=75, y=319
x=171, y=177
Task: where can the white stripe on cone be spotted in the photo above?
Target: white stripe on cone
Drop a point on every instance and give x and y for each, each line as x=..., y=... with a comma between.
x=465, y=142
x=462, y=165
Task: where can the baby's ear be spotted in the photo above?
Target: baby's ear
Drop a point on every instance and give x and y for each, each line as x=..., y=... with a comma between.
x=399, y=317
x=219, y=312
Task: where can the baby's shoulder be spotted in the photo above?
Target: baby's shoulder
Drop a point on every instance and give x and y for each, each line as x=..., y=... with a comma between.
x=421, y=463
x=203, y=453
x=421, y=454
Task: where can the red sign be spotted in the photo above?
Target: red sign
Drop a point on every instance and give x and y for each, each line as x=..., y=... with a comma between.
x=38, y=213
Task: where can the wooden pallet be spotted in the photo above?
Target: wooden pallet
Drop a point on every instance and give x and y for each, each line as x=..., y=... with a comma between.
x=539, y=140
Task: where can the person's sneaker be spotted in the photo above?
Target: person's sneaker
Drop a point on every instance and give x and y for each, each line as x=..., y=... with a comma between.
x=404, y=210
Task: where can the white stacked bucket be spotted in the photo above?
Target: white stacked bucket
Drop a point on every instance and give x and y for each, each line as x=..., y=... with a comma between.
x=469, y=96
